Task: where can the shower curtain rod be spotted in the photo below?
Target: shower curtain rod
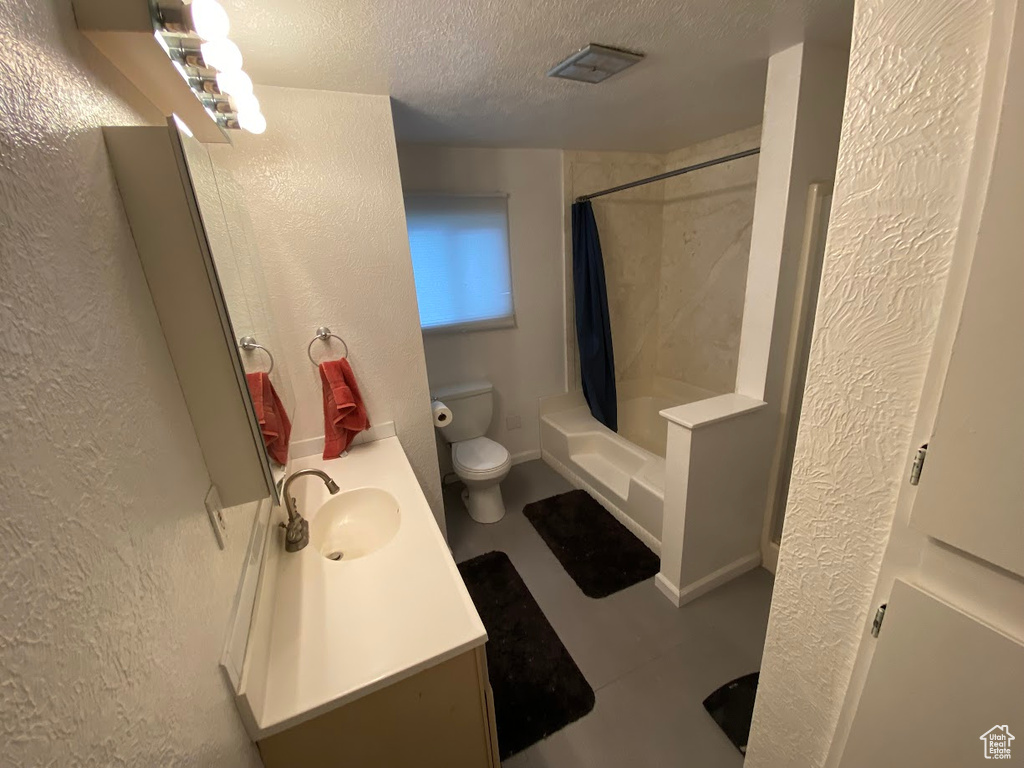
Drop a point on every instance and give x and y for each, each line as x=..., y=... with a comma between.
x=670, y=174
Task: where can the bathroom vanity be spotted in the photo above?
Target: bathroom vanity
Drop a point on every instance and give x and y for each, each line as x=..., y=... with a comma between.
x=363, y=648
x=438, y=717
x=376, y=658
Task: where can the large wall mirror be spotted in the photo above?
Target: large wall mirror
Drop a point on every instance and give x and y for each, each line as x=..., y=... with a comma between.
x=236, y=257
x=195, y=240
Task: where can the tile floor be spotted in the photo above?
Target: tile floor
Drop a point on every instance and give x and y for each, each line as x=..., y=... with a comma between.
x=650, y=664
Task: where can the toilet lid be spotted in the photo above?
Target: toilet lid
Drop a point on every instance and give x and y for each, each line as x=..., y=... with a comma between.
x=479, y=454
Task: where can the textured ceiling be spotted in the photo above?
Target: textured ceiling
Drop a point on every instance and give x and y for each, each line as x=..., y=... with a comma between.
x=473, y=73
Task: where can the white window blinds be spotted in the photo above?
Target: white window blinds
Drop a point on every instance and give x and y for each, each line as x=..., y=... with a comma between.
x=460, y=258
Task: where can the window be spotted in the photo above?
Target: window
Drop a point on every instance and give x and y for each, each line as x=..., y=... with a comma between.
x=460, y=260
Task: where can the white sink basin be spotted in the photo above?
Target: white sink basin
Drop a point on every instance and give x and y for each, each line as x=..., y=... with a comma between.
x=354, y=524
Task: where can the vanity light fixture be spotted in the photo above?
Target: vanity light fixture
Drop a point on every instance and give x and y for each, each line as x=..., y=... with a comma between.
x=178, y=54
x=195, y=37
x=205, y=18
x=219, y=106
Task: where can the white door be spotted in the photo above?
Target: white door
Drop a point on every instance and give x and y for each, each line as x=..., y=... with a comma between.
x=971, y=492
x=945, y=686
x=939, y=681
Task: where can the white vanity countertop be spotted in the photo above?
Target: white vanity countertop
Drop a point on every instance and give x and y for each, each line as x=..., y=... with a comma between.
x=341, y=630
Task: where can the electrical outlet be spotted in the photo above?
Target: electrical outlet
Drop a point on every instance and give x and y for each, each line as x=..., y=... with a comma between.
x=512, y=421
x=215, y=510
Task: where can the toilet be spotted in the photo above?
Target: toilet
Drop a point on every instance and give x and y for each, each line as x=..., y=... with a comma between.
x=479, y=462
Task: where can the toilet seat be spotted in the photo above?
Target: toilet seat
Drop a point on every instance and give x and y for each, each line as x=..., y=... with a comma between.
x=479, y=458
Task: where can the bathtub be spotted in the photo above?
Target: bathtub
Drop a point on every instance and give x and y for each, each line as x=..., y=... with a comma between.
x=624, y=471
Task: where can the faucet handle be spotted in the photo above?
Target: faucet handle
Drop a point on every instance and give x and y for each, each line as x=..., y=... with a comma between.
x=296, y=534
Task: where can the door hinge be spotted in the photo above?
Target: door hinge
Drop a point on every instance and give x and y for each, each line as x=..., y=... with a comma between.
x=876, y=625
x=918, y=465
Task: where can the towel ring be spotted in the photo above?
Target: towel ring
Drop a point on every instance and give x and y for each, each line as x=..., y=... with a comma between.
x=249, y=344
x=323, y=333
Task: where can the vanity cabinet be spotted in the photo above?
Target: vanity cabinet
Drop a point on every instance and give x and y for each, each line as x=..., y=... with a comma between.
x=440, y=717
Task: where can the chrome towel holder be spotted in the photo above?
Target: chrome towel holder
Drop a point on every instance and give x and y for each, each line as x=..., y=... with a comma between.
x=249, y=344
x=323, y=333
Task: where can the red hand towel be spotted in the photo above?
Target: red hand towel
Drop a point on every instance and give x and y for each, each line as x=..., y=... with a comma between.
x=270, y=412
x=344, y=412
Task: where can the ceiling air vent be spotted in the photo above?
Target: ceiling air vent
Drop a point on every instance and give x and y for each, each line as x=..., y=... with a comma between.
x=595, y=63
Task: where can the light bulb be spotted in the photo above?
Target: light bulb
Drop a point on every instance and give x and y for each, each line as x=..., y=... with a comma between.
x=253, y=122
x=209, y=19
x=221, y=54
x=234, y=83
x=245, y=102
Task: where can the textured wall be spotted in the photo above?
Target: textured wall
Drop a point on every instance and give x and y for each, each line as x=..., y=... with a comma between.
x=675, y=256
x=911, y=108
x=527, y=362
x=113, y=595
x=323, y=191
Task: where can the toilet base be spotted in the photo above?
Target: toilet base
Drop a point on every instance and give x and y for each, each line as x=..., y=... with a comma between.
x=485, y=505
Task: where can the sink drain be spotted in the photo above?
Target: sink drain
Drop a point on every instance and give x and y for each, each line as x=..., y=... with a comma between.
x=335, y=555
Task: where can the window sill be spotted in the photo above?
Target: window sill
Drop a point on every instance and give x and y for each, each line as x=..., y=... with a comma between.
x=495, y=324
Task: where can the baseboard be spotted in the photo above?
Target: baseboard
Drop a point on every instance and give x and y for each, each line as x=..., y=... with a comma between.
x=314, y=445
x=299, y=449
x=523, y=456
x=667, y=589
x=631, y=525
x=704, y=585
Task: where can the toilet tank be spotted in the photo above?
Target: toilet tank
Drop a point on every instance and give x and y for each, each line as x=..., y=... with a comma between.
x=472, y=405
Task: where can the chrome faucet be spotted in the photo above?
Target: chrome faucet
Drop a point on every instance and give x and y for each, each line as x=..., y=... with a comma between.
x=297, y=529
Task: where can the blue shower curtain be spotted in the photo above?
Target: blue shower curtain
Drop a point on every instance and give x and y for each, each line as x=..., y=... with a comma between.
x=593, y=327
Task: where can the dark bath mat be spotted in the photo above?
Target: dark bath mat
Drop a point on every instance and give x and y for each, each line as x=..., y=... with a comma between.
x=598, y=551
x=732, y=707
x=538, y=689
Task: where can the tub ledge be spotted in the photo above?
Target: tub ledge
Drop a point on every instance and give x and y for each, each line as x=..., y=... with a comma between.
x=711, y=411
x=715, y=484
